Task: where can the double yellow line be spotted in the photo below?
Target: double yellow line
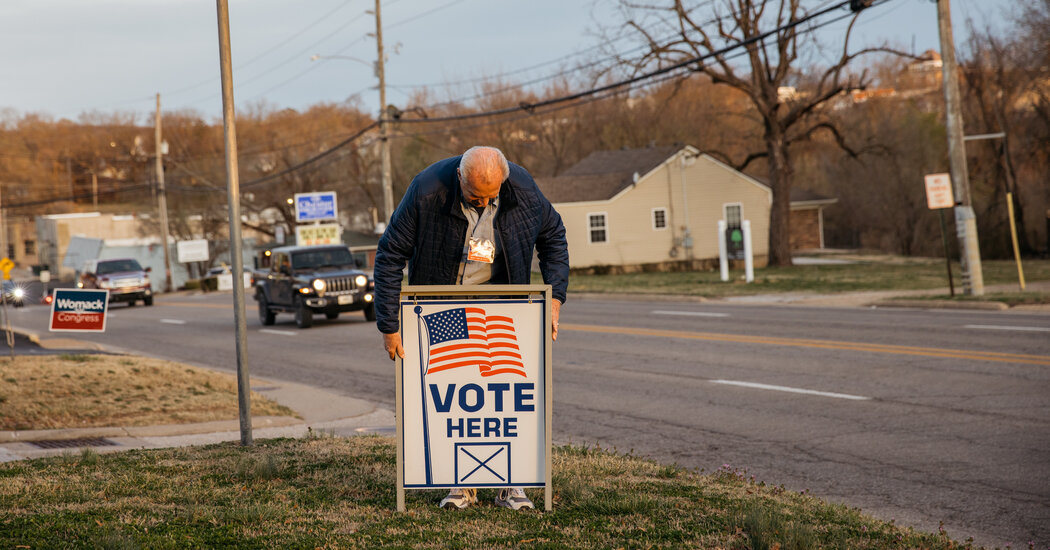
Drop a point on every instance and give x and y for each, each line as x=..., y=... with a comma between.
x=972, y=355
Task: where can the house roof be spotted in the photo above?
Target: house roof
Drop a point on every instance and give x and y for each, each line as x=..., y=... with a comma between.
x=805, y=196
x=603, y=174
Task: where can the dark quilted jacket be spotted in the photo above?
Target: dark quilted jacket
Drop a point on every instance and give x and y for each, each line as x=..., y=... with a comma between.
x=428, y=229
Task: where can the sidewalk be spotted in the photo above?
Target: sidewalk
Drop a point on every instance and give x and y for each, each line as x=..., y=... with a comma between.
x=896, y=298
x=321, y=411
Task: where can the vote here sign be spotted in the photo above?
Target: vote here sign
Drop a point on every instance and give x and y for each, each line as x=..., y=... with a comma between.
x=79, y=310
x=473, y=392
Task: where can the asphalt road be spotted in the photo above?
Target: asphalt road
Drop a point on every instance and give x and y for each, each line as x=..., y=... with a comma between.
x=919, y=416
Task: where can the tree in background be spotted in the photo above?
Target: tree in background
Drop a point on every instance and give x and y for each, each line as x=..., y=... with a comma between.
x=788, y=105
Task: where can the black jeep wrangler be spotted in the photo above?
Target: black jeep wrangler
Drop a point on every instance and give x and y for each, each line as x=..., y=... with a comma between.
x=312, y=279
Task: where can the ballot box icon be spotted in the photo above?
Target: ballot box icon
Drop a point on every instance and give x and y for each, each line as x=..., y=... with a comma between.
x=480, y=464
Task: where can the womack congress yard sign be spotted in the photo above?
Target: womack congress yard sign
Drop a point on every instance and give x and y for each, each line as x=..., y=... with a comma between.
x=79, y=310
x=473, y=391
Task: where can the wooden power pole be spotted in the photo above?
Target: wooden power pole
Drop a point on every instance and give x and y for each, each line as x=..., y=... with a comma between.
x=384, y=140
x=965, y=220
x=162, y=199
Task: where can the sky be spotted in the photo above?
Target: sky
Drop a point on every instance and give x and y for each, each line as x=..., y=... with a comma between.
x=63, y=58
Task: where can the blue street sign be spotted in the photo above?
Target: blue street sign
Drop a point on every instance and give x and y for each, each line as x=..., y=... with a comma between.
x=314, y=207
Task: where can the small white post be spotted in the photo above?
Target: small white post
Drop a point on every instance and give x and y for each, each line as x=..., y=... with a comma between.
x=749, y=260
x=723, y=260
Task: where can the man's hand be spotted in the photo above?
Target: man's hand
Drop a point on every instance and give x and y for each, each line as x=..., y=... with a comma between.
x=392, y=343
x=555, y=310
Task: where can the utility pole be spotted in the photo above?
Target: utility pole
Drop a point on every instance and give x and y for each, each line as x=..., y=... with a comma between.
x=162, y=199
x=965, y=220
x=94, y=184
x=233, y=196
x=384, y=140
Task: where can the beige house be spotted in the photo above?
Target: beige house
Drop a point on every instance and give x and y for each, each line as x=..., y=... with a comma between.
x=655, y=208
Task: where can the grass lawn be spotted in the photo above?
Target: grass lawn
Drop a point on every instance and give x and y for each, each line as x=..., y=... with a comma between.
x=326, y=492
x=866, y=274
x=88, y=391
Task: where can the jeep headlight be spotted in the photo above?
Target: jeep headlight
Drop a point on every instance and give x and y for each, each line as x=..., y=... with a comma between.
x=319, y=285
x=361, y=280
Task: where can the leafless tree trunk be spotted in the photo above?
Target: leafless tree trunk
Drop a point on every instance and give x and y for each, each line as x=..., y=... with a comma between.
x=771, y=31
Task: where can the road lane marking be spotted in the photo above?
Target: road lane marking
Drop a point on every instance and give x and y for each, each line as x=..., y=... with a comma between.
x=1004, y=327
x=790, y=390
x=281, y=332
x=173, y=321
x=690, y=313
x=820, y=344
x=180, y=304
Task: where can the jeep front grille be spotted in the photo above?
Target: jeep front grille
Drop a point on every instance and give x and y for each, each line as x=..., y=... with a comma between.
x=339, y=284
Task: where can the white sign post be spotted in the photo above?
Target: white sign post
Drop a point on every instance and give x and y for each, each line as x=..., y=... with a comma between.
x=749, y=259
x=474, y=389
x=938, y=197
x=723, y=254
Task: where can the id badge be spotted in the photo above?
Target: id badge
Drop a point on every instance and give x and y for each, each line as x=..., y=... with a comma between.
x=481, y=250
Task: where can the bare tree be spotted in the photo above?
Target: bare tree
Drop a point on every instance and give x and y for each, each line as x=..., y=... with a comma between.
x=789, y=106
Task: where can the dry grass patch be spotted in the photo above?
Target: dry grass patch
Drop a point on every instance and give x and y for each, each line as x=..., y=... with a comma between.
x=81, y=391
x=867, y=273
x=339, y=493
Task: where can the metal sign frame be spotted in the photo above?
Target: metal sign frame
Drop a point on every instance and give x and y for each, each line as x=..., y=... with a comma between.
x=530, y=292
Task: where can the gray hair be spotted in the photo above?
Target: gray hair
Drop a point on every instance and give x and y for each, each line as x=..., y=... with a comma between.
x=483, y=159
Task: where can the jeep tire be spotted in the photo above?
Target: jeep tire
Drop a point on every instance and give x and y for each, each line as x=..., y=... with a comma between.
x=266, y=316
x=370, y=312
x=304, y=316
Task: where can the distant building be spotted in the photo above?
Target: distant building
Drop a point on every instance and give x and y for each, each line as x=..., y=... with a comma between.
x=807, y=219
x=655, y=208
x=66, y=241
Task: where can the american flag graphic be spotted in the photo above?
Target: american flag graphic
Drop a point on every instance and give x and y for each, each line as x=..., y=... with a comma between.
x=468, y=337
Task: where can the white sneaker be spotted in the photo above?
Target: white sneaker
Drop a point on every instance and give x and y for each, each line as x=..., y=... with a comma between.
x=514, y=499
x=459, y=499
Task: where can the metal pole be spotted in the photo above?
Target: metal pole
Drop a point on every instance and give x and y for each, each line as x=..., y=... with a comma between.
x=233, y=186
x=162, y=202
x=10, y=335
x=94, y=188
x=965, y=220
x=947, y=254
x=1013, y=237
x=384, y=141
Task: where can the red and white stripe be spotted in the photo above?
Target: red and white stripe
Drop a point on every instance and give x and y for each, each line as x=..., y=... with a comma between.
x=492, y=347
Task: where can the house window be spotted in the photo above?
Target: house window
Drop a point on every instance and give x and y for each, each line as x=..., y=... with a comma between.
x=30, y=247
x=11, y=250
x=597, y=228
x=659, y=219
x=733, y=214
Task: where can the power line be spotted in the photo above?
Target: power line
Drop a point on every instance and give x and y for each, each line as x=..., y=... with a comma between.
x=341, y=50
x=528, y=109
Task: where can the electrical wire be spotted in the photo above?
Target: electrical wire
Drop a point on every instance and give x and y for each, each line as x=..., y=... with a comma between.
x=529, y=109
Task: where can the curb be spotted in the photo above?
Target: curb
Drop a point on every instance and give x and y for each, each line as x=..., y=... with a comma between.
x=56, y=343
x=162, y=430
x=634, y=297
x=942, y=304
